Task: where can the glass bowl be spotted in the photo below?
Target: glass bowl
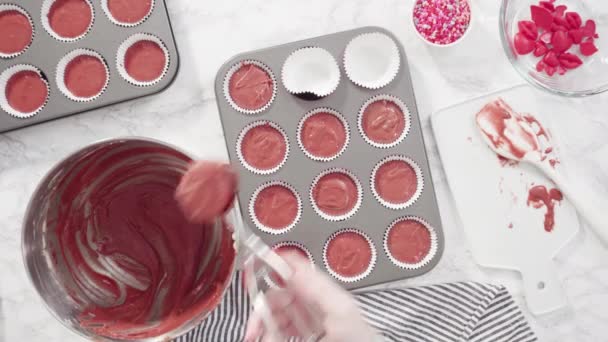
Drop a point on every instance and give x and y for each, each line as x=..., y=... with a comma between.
x=589, y=79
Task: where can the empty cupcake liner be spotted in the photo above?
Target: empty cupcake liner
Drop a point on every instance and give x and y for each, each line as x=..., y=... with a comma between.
x=372, y=60
x=106, y=10
x=432, y=250
x=339, y=217
x=260, y=225
x=269, y=279
x=122, y=51
x=234, y=69
x=311, y=70
x=419, y=179
x=367, y=272
x=60, y=74
x=337, y=115
x=406, y=114
x=5, y=77
x=13, y=7
x=239, y=142
x=46, y=7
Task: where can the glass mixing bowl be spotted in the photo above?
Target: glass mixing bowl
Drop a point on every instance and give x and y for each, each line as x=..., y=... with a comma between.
x=589, y=79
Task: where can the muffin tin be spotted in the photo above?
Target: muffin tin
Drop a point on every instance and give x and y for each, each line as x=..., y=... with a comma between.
x=106, y=39
x=359, y=158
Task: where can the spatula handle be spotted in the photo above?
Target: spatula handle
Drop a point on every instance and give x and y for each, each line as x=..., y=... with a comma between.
x=542, y=287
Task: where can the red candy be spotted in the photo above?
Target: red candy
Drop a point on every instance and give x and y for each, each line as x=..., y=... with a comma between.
x=577, y=35
x=541, y=49
x=590, y=28
x=548, y=5
x=561, y=41
x=560, y=10
x=574, y=20
x=551, y=59
x=542, y=17
x=523, y=45
x=570, y=61
x=588, y=48
x=528, y=29
x=546, y=37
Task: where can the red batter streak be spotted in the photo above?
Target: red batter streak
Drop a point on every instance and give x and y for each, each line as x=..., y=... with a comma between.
x=276, y=207
x=349, y=254
x=335, y=194
x=130, y=250
x=409, y=241
x=26, y=92
x=251, y=87
x=263, y=147
x=70, y=18
x=539, y=197
x=129, y=11
x=323, y=135
x=16, y=32
x=396, y=181
x=145, y=61
x=383, y=122
x=85, y=76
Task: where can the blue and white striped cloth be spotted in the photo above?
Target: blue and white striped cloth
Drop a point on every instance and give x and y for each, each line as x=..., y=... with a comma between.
x=448, y=312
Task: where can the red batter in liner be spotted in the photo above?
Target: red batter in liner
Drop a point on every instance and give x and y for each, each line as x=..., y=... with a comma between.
x=129, y=11
x=349, y=254
x=26, y=91
x=276, y=207
x=70, y=18
x=409, y=241
x=263, y=147
x=396, y=181
x=539, y=196
x=16, y=32
x=85, y=76
x=335, y=194
x=383, y=122
x=145, y=61
x=251, y=87
x=323, y=135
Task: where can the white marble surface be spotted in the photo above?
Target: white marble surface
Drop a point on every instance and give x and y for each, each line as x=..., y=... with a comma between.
x=208, y=33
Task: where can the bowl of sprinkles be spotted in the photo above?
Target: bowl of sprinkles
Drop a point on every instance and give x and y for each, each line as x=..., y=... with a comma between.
x=442, y=22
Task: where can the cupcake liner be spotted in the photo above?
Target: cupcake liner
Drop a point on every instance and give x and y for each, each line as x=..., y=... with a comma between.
x=404, y=109
x=367, y=272
x=231, y=72
x=5, y=77
x=419, y=178
x=311, y=70
x=267, y=277
x=337, y=115
x=261, y=226
x=13, y=7
x=46, y=7
x=122, y=50
x=372, y=60
x=60, y=74
x=432, y=250
x=239, y=142
x=340, y=217
x=106, y=10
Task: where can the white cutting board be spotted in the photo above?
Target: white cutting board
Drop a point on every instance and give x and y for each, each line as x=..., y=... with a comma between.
x=490, y=198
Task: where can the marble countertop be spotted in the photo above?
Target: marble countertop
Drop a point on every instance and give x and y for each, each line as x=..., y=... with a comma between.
x=210, y=32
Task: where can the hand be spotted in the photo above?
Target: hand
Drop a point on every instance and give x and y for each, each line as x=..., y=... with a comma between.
x=335, y=311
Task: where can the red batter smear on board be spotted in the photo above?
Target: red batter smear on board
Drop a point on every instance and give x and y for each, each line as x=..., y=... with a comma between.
x=26, y=91
x=396, y=181
x=349, y=254
x=335, y=194
x=70, y=18
x=409, y=241
x=323, y=135
x=16, y=32
x=506, y=161
x=251, y=87
x=538, y=197
x=145, y=61
x=85, y=76
x=129, y=11
x=383, y=122
x=264, y=147
x=276, y=207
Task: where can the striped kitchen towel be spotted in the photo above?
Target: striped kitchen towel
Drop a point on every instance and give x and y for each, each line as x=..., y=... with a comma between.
x=448, y=312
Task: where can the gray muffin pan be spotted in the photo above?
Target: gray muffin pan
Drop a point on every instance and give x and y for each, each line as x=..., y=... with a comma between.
x=104, y=37
x=360, y=157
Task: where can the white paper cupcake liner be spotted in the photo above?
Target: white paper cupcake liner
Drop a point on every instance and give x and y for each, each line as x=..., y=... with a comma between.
x=312, y=113
x=46, y=7
x=60, y=74
x=353, y=211
x=311, y=70
x=106, y=10
x=419, y=186
x=13, y=7
x=239, y=152
x=367, y=272
x=400, y=104
x=372, y=60
x=5, y=77
x=260, y=225
x=234, y=69
x=122, y=50
x=268, y=278
x=432, y=250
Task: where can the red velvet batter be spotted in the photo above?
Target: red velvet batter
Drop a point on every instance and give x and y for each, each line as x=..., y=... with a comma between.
x=85, y=76
x=349, y=254
x=129, y=11
x=396, y=181
x=335, y=194
x=26, y=92
x=263, y=147
x=323, y=135
x=251, y=87
x=16, y=32
x=409, y=241
x=383, y=122
x=276, y=207
x=70, y=18
x=145, y=61
x=538, y=197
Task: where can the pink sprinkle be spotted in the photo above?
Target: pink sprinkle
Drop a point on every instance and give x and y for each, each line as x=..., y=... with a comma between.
x=442, y=21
